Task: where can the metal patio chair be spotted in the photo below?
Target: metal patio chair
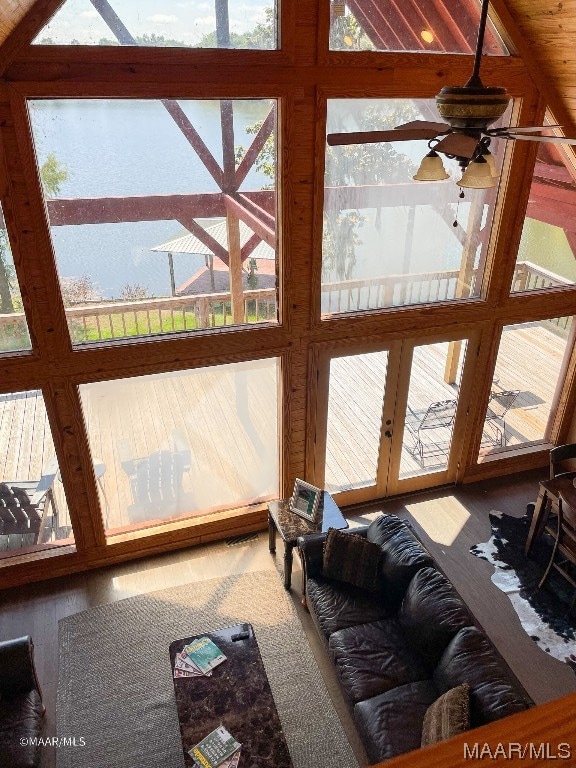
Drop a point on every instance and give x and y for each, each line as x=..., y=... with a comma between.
x=495, y=423
x=431, y=430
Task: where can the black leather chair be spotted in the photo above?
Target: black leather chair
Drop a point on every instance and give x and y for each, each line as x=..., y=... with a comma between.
x=21, y=708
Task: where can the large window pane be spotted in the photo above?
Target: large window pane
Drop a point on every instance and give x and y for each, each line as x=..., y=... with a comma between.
x=140, y=223
x=33, y=511
x=174, y=445
x=370, y=25
x=171, y=23
x=388, y=240
x=525, y=380
x=13, y=327
x=547, y=253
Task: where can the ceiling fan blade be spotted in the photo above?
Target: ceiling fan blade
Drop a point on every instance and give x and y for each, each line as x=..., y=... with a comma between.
x=440, y=128
x=527, y=137
x=521, y=129
x=373, y=137
x=457, y=144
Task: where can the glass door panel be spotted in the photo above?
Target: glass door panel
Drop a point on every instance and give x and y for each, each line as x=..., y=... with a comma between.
x=525, y=379
x=355, y=404
x=433, y=391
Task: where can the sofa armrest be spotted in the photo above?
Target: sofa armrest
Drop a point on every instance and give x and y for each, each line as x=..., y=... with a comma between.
x=17, y=671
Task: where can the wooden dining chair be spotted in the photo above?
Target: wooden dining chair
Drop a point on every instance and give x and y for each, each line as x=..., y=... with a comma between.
x=546, y=507
x=563, y=557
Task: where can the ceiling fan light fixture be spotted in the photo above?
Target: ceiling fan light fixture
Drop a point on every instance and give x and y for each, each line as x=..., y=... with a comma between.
x=431, y=168
x=477, y=175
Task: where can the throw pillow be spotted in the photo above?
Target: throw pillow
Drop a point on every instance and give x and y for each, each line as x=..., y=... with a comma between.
x=350, y=558
x=448, y=716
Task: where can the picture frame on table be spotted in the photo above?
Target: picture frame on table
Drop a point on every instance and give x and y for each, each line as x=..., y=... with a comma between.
x=305, y=501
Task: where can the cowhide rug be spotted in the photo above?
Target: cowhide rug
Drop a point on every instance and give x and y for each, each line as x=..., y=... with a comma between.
x=544, y=613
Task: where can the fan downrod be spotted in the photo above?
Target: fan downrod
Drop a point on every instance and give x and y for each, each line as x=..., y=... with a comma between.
x=474, y=105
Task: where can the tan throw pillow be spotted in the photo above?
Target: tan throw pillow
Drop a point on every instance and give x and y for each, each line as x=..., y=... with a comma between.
x=448, y=716
x=351, y=558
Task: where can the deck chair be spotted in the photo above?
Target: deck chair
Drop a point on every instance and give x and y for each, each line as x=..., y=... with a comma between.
x=156, y=485
x=563, y=557
x=431, y=430
x=22, y=508
x=498, y=406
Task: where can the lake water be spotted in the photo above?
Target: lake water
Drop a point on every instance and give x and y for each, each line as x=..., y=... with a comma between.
x=122, y=148
x=133, y=147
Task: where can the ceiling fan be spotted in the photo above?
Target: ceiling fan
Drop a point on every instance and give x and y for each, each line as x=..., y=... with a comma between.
x=468, y=110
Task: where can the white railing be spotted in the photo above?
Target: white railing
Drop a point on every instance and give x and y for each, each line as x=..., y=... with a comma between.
x=121, y=319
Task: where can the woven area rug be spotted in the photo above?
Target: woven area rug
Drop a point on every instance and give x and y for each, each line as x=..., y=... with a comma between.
x=115, y=688
x=544, y=613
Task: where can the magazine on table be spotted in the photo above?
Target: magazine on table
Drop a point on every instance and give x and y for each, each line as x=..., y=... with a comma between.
x=204, y=654
x=230, y=762
x=217, y=750
x=184, y=667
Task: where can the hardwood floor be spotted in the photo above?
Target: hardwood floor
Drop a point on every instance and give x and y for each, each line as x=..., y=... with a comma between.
x=449, y=521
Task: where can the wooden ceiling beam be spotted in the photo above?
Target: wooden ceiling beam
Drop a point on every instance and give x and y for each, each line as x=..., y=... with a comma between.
x=36, y=16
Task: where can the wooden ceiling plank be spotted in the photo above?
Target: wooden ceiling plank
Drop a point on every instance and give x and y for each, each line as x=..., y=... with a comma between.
x=376, y=27
x=451, y=29
x=513, y=15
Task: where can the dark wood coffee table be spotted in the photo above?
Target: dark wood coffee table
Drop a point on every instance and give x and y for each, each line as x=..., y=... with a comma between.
x=291, y=526
x=237, y=696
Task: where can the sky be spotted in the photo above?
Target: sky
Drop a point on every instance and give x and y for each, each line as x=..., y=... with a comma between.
x=185, y=20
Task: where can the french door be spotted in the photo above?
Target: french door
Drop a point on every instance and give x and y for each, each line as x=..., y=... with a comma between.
x=387, y=417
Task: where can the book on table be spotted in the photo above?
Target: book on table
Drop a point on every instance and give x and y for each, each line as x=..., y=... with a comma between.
x=205, y=654
x=219, y=749
x=198, y=658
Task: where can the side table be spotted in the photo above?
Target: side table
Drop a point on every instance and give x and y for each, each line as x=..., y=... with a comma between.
x=291, y=526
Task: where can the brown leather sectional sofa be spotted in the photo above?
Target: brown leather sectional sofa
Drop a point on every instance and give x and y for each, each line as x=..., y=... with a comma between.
x=397, y=649
x=21, y=708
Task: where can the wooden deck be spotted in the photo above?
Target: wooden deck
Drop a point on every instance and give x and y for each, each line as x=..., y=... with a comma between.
x=227, y=416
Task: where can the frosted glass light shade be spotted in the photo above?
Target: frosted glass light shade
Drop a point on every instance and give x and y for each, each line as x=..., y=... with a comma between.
x=477, y=176
x=431, y=169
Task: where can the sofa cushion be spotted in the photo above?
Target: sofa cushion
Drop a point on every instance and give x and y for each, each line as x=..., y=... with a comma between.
x=403, y=555
x=351, y=558
x=337, y=605
x=448, y=716
x=431, y=614
x=471, y=658
x=390, y=724
x=373, y=658
x=20, y=718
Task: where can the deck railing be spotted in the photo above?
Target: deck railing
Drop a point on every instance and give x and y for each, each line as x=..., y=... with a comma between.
x=114, y=320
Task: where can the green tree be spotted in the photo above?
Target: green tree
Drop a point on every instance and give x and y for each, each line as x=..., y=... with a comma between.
x=346, y=34
x=52, y=175
x=261, y=37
